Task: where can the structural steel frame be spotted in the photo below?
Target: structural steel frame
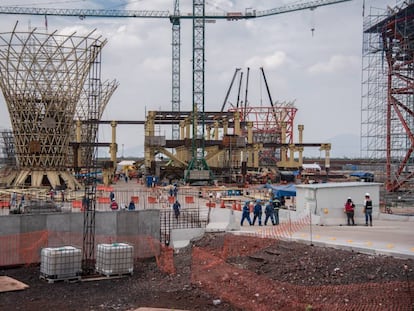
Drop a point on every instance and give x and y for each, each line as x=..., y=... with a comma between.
x=42, y=76
x=388, y=93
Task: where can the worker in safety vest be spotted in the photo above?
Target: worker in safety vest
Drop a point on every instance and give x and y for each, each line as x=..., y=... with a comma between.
x=114, y=206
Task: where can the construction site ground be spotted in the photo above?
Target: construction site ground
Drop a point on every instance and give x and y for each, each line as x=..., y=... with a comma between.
x=254, y=268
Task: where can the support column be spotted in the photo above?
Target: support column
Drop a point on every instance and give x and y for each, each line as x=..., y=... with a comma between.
x=283, y=150
x=182, y=130
x=300, y=149
x=249, y=142
x=237, y=130
x=216, y=130
x=187, y=128
x=113, y=148
x=225, y=127
x=256, y=149
x=327, y=148
x=291, y=155
x=208, y=132
x=79, y=140
x=149, y=133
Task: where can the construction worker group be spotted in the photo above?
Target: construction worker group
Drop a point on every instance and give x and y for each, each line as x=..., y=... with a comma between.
x=271, y=212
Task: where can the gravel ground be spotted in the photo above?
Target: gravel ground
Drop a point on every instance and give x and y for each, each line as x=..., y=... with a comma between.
x=279, y=262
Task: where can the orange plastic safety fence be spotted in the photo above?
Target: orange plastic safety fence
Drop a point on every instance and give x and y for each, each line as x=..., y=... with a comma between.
x=9, y=250
x=189, y=200
x=152, y=200
x=22, y=248
x=103, y=200
x=285, y=229
x=76, y=204
x=247, y=290
x=31, y=245
x=165, y=259
x=26, y=248
x=104, y=188
x=4, y=204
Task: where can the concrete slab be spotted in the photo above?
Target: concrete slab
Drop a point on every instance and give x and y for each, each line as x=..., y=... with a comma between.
x=181, y=237
x=386, y=237
x=222, y=219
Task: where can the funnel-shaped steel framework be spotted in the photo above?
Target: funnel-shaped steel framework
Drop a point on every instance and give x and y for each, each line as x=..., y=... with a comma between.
x=82, y=113
x=42, y=77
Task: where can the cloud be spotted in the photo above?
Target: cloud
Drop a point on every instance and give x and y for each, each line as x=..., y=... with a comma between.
x=275, y=60
x=157, y=64
x=335, y=64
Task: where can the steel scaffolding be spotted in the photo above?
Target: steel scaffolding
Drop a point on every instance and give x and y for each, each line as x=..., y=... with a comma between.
x=387, y=118
x=7, y=150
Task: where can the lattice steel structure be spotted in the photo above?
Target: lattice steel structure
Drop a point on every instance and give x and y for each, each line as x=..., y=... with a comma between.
x=42, y=77
x=82, y=114
x=7, y=149
x=387, y=122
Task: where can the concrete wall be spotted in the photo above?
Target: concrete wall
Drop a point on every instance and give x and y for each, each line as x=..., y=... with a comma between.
x=145, y=222
x=327, y=200
x=125, y=225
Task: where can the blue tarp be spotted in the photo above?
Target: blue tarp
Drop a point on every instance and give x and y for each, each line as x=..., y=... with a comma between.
x=361, y=174
x=282, y=190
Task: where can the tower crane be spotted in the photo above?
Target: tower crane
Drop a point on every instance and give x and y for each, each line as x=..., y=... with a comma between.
x=198, y=15
x=197, y=168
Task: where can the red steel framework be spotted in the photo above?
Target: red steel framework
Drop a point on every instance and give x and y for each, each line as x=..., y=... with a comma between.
x=267, y=121
x=390, y=37
x=267, y=126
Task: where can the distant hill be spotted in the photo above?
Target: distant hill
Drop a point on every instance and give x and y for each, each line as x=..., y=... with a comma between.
x=345, y=146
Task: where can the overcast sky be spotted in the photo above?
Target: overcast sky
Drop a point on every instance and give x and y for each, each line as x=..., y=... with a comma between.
x=320, y=70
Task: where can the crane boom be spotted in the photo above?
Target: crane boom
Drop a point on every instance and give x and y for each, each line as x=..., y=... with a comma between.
x=247, y=14
x=84, y=12
x=297, y=7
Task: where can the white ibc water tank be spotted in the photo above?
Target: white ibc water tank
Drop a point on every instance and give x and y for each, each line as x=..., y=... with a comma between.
x=60, y=262
x=115, y=259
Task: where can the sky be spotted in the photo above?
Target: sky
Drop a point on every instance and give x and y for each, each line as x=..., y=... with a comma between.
x=319, y=70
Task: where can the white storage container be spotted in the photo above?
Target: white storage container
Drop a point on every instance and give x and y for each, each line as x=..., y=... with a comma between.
x=115, y=259
x=60, y=262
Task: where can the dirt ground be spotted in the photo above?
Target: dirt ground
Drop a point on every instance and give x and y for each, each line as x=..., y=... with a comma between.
x=285, y=262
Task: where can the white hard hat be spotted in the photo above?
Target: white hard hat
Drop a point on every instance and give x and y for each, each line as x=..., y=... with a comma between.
x=367, y=194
